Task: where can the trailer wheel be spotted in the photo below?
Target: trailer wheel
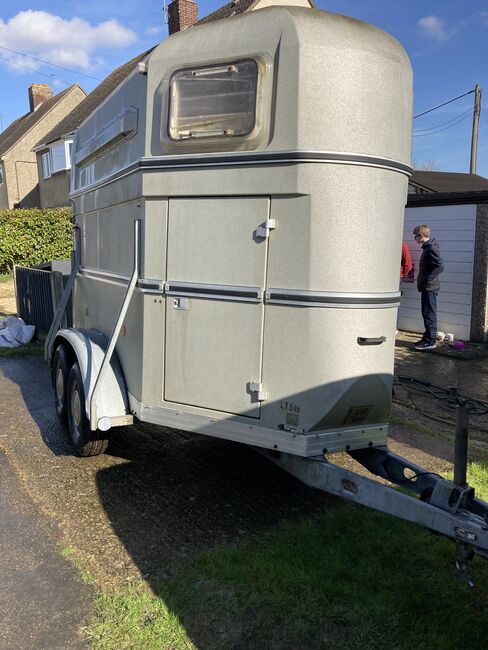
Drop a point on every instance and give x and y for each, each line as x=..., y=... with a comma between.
x=60, y=373
x=84, y=441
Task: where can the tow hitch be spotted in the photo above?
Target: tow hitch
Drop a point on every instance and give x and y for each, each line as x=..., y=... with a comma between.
x=449, y=508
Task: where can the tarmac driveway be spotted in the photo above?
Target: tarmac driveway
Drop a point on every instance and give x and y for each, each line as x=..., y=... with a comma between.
x=159, y=496
x=42, y=600
x=156, y=497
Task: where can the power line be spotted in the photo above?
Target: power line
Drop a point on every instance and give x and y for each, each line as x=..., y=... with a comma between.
x=21, y=65
x=54, y=65
x=443, y=123
x=460, y=119
x=444, y=104
x=484, y=111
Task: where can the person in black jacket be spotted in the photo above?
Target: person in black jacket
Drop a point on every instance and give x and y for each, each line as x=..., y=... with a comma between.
x=430, y=267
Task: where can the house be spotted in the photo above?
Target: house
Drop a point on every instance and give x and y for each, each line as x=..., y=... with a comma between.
x=19, y=178
x=54, y=178
x=455, y=206
x=54, y=182
x=424, y=182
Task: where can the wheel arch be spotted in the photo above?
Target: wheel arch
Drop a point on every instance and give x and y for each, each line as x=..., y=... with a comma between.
x=87, y=348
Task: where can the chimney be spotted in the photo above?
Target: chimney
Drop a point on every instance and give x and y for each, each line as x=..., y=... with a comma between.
x=38, y=94
x=181, y=14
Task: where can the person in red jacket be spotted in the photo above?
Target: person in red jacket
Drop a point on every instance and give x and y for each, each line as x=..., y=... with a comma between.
x=406, y=266
x=406, y=262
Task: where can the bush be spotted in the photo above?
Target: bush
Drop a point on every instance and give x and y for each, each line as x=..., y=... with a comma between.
x=34, y=236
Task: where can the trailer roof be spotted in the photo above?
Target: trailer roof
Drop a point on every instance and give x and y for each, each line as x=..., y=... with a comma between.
x=236, y=7
x=73, y=120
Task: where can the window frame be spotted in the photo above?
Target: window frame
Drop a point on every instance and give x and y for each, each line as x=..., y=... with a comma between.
x=46, y=168
x=224, y=142
x=199, y=72
x=48, y=156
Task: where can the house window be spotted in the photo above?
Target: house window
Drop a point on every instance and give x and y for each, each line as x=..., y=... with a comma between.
x=46, y=165
x=1, y=175
x=58, y=157
x=213, y=101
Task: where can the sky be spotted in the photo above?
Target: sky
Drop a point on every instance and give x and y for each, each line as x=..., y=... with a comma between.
x=446, y=40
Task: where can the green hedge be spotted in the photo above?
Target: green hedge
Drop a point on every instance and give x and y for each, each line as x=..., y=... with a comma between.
x=34, y=236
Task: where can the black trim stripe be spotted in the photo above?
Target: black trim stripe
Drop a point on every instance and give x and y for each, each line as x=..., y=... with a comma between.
x=253, y=294
x=333, y=300
x=153, y=286
x=212, y=291
x=248, y=158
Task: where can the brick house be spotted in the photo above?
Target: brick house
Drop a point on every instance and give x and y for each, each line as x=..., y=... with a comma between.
x=54, y=182
x=19, y=178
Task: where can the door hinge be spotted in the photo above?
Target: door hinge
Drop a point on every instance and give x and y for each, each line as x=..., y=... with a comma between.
x=264, y=229
x=257, y=388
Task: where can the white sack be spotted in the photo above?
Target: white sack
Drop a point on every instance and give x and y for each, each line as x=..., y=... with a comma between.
x=14, y=332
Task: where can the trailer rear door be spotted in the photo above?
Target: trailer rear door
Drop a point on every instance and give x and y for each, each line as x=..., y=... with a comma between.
x=216, y=268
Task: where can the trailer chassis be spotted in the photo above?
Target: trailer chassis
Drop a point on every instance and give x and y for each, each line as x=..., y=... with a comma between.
x=445, y=507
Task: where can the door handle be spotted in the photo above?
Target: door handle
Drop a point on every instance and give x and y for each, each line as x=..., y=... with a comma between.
x=363, y=340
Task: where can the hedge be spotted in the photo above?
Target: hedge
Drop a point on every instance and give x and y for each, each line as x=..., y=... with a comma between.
x=34, y=236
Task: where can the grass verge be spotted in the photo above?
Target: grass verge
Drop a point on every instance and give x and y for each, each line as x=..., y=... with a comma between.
x=33, y=349
x=5, y=277
x=349, y=578
x=413, y=424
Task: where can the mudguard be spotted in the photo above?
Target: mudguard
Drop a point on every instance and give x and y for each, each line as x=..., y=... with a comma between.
x=89, y=347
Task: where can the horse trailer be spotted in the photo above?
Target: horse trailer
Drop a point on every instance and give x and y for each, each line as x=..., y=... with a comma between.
x=238, y=207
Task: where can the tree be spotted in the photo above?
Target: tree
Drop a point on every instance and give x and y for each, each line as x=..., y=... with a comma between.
x=426, y=166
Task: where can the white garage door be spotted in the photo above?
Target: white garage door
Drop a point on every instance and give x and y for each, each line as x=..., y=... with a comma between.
x=454, y=229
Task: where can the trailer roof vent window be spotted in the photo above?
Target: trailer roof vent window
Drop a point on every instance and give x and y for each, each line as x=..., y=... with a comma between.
x=213, y=101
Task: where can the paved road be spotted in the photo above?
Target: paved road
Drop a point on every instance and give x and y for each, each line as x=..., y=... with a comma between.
x=42, y=601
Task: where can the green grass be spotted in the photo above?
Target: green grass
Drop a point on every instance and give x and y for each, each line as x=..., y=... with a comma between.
x=133, y=618
x=415, y=426
x=477, y=478
x=33, y=349
x=5, y=277
x=348, y=578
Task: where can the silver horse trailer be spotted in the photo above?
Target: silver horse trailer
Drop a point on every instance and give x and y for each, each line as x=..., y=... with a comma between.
x=238, y=212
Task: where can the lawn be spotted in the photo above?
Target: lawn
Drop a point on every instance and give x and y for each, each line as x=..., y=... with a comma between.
x=348, y=578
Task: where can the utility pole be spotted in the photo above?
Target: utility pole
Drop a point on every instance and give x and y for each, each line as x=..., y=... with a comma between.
x=474, y=136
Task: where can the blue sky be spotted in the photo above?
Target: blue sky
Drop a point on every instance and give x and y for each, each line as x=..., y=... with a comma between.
x=447, y=42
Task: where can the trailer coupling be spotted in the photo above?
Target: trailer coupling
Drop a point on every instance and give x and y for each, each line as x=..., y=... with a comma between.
x=440, y=505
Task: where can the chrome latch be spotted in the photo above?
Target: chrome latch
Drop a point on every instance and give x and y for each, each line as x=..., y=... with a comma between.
x=256, y=387
x=181, y=303
x=264, y=229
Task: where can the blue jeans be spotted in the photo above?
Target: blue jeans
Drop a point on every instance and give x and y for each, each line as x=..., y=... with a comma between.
x=429, y=314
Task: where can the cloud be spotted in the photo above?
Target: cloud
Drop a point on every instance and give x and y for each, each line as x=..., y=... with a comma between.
x=152, y=31
x=70, y=43
x=433, y=26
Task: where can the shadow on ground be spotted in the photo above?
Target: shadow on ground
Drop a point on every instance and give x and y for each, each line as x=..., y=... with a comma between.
x=181, y=494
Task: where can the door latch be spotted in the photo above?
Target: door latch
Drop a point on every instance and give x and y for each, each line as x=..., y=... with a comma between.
x=264, y=229
x=256, y=387
x=181, y=303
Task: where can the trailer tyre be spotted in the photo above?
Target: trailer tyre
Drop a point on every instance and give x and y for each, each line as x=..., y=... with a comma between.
x=61, y=368
x=84, y=441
